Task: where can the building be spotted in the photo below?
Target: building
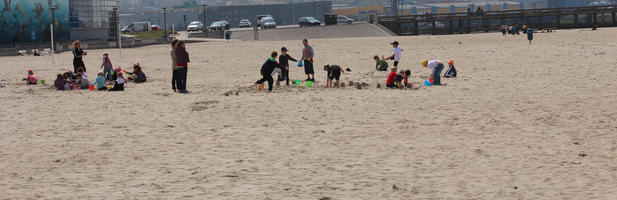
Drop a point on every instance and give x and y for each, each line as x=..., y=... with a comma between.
x=93, y=19
x=28, y=21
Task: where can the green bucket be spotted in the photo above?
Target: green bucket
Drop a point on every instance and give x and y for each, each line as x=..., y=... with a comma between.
x=297, y=82
x=42, y=81
x=309, y=83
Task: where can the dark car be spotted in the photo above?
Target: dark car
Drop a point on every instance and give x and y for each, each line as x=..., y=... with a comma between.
x=219, y=25
x=308, y=21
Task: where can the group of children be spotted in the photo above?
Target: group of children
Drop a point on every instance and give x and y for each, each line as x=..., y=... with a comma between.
x=80, y=80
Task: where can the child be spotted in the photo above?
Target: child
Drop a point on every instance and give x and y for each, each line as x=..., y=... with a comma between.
x=436, y=66
x=396, y=53
x=529, y=35
x=391, y=81
x=334, y=72
x=82, y=81
x=380, y=65
x=119, y=85
x=61, y=83
x=114, y=74
x=138, y=74
x=107, y=66
x=31, y=79
x=284, y=64
x=82, y=72
x=99, y=82
x=407, y=74
x=266, y=70
x=402, y=78
x=451, y=72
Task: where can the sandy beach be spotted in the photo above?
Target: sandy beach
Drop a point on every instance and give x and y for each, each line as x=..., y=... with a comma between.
x=520, y=122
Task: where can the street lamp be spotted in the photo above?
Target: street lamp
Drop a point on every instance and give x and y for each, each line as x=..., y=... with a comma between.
x=165, y=21
x=204, y=6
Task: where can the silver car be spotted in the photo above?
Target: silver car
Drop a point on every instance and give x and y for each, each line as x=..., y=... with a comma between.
x=268, y=23
x=245, y=23
x=196, y=26
x=342, y=19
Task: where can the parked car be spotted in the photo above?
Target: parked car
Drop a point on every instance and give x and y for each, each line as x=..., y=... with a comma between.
x=156, y=28
x=268, y=23
x=245, y=23
x=308, y=21
x=259, y=17
x=196, y=26
x=219, y=25
x=342, y=19
x=137, y=27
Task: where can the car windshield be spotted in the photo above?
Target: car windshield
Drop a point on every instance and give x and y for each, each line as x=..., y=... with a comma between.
x=311, y=19
x=216, y=23
x=194, y=23
x=268, y=20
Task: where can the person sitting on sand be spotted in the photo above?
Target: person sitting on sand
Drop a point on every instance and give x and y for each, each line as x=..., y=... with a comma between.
x=391, y=80
x=115, y=72
x=31, y=79
x=380, y=65
x=436, y=67
x=119, y=85
x=138, y=74
x=61, y=83
x=83, y=81
x=82, y=72
x=266, y=70
x=334, y=72
x=99, y=82
x=451, y=72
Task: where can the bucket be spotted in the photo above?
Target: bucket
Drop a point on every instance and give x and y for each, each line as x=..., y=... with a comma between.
x=300, y=64
x=42, y=81
x=297, y=82
x=309, y=83
x=427, y=83
x=91, y=87
x=261, y=86
x=431, y=80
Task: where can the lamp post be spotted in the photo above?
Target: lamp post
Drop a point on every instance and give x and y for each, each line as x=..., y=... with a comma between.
x=165, y=22
x=52, y=9
x=204, y=6
x=119, y=36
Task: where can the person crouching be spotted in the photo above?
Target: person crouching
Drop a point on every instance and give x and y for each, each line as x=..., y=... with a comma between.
x=266, y=70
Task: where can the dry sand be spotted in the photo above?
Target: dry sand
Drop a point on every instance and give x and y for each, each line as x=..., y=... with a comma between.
x=521, y=122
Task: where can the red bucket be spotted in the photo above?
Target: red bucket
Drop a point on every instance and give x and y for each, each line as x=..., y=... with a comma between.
x=91, y=87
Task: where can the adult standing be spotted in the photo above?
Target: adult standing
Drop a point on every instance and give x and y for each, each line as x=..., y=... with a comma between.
x=78, y=54
x=307, y=57
x=182, y=61
x=436, y=66
x=397, y=53
x=174, y=45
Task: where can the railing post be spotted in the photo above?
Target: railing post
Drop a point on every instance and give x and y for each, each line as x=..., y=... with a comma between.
x=558, y=20
x=575, y=19
x=468, y=23
x=613, y=16
x=522, y=17
x=415, y=28
x=594, y=18
x=460, y=26
x=434, y=27
x=450, y=29
x=540, y=19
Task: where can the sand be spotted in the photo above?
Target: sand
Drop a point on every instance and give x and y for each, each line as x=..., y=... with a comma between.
x=521, y=122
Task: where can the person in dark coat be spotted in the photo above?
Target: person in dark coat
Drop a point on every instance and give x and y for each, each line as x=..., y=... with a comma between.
x=78, y=54
x=138, y=75
x=182, y=61
x=266, y=70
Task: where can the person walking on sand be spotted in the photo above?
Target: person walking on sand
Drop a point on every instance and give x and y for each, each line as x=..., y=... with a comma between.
x=78, y=54
x=396, y=53
x=182, y=61
x=284, y=64
x=174, y=45
x=530, y=35
x=307, y=57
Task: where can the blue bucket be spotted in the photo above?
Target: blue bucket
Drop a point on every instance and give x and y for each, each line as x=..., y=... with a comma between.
x=300, y=64
x=427, y=83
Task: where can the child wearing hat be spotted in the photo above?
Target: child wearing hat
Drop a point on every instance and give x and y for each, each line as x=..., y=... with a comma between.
x=451, y=72
x=436, y=66
x=396, y=53
x=284, y=59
